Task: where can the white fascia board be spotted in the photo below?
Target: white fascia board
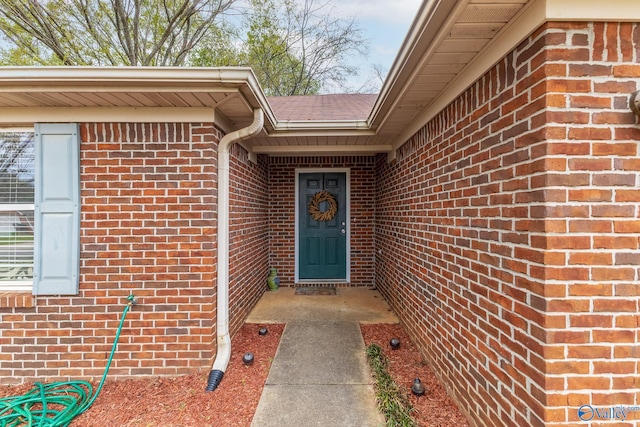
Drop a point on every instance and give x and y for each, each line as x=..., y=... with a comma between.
x=139, y=77
x=239, y=80
x=309, y=126
x=593, y=10
x=29, y=115
x=327, y=133
x=288, y=150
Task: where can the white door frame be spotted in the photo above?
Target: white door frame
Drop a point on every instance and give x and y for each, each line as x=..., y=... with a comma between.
x=347, y=173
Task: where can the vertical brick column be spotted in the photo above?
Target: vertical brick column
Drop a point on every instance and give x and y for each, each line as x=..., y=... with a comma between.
x=592, y=233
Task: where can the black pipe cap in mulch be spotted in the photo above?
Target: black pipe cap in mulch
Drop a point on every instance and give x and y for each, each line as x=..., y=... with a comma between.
x=315, y=290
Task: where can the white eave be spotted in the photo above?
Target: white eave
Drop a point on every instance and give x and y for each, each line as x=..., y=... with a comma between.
x=450, y=44
x=130, y=94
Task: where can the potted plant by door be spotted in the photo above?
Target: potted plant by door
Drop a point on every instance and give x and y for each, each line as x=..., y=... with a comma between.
x=273, y=281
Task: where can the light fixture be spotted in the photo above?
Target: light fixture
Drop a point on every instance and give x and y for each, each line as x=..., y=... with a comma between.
x=418, y=388
x=394, y=343
x=247, y=359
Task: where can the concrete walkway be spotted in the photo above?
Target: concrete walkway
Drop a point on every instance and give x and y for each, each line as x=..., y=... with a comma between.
x=320, y=376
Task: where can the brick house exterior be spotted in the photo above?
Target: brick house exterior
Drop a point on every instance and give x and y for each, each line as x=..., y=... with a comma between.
x=513, y=258
x=282, y=176
x=501, y=225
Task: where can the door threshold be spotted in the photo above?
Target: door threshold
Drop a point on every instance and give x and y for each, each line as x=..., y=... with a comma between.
x=324, y=282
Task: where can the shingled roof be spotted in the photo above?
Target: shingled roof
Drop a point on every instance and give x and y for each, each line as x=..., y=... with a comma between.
x=323, y=107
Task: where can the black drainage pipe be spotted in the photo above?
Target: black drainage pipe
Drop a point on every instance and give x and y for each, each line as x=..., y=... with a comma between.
x=215, y=377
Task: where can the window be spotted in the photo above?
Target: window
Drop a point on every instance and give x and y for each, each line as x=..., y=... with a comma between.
x=40, y=209
x=17, y=185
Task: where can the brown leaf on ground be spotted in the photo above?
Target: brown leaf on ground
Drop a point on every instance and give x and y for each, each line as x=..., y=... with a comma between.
x=406, y=364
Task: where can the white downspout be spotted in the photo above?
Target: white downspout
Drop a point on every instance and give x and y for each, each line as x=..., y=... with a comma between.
x=224, y=340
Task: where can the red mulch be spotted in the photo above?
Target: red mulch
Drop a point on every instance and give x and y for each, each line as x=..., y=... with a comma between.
x=182, y=401
x=406, y=364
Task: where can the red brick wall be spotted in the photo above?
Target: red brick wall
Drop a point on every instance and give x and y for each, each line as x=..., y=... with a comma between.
x=507, y=231
x=282, y=178
x=592, y=233
x=148, y=194
x=248, y=234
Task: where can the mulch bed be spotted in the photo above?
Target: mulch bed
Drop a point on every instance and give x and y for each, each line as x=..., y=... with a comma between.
x=182, y=401
x=406, y=364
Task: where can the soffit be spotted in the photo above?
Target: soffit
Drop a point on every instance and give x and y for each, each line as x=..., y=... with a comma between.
x=150, y=93
x=445, y=39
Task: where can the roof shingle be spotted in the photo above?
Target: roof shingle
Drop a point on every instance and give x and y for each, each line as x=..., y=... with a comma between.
x=355, y=106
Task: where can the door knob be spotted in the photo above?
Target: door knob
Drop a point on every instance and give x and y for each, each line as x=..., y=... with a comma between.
x=343, y=231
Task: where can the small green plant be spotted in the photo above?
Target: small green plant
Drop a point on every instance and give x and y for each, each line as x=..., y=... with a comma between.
x=392, y=401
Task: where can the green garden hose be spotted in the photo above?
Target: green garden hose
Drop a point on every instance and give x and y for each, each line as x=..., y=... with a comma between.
x=55, y=404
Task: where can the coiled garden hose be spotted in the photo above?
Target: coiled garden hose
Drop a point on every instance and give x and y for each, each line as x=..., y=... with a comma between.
x=55, y=404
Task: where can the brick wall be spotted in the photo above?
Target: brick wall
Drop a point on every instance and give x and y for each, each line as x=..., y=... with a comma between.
x=248, y=234
x=592, y=233
x=507, y=231
x=282, y=178
x=148, y=226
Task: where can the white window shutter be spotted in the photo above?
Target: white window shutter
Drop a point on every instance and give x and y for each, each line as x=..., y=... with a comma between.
x=57, y=209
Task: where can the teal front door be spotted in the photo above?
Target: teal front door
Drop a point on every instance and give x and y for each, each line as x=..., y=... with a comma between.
x=322, y=244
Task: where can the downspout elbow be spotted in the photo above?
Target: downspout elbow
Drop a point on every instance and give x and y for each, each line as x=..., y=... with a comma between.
x=241, y=134
x=223, y=353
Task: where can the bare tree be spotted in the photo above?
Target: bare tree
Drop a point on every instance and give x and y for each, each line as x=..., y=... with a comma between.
x=374, y=80
x=107, y=32
x=295, y=47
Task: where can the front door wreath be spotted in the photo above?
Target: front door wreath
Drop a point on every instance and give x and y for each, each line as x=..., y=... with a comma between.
x=314, y=206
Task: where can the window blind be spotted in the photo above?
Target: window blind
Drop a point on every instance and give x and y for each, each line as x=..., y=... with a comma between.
x=17, y=163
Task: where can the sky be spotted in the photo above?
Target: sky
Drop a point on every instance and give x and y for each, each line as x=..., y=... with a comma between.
x=385, y=23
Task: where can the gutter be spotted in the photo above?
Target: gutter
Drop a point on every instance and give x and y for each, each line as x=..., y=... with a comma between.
x=223, y=353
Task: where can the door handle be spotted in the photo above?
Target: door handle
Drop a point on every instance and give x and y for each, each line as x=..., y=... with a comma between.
x=343, y=231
